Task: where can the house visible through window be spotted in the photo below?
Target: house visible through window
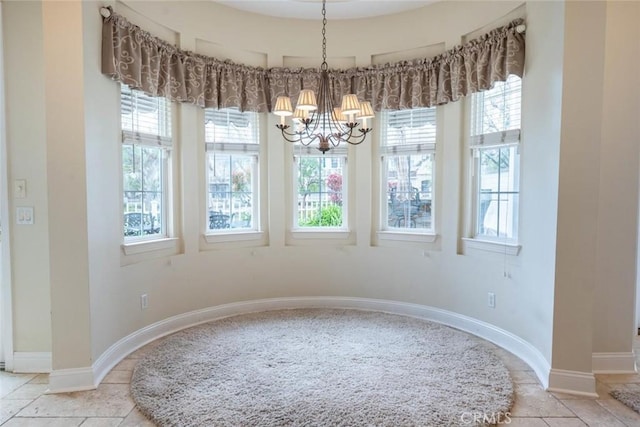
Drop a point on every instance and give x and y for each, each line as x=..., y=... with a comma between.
x=494, y=142
x=233, y=150
x=407, y=152
x=146, y=149
x=320, y=188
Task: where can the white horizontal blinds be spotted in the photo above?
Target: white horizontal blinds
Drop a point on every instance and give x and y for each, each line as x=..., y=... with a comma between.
x=145, y=119
x=409, y=131
x=495, y=114
x=312, y=151
x=231, y=130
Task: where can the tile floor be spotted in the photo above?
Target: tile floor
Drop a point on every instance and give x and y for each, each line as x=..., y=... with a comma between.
x=24, y=404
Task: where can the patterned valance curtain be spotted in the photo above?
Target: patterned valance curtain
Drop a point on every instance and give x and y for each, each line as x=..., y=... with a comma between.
x=137, y=58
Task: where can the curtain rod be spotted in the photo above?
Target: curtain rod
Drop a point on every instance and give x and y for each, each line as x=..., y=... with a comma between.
x=106, y=12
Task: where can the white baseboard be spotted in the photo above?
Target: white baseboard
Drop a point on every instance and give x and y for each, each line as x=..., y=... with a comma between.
x=66, y=380
x=31, y=362
x=573, y=382
x=613, y=363
x=118, y=351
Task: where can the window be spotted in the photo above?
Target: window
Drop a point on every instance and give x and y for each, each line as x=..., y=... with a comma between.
x=232, y=159
x=146, y=150
x=320, y=183
x=494, y=142
x=407, y=153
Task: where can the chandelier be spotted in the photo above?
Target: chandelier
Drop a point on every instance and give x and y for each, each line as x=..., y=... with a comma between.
x=316, y=119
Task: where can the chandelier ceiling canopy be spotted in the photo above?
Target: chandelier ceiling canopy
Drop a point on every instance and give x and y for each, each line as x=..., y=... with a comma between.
x=316, y=120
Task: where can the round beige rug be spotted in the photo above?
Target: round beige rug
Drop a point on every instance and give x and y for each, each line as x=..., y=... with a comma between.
x=321, y=367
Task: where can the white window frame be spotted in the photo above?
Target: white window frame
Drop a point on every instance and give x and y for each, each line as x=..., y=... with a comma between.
x=416, y=147
x=162, y=139
x=309, y=232
x=505, y=137
x=222, y=145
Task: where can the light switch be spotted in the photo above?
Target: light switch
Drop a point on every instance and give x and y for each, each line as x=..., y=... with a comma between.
x=24, y=215
x=20, y=188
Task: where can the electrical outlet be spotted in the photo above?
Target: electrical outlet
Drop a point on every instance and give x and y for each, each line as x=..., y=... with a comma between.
x=144, y=302
x=491, y=300
x=24, y=215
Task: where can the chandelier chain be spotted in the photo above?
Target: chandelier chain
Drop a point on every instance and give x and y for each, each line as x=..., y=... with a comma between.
x=324, y=65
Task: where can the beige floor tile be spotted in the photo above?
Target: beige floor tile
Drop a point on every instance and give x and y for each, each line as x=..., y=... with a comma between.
x=603, y=390
x=8, y=408
x=533, y=401
x=511, y=361
x=524, y=377
x=564, y=422
x=40, y=379
x=28, y=391
x=136, y=419
x=126, y=365
x=592, y=413
x=139, y=353
x=567, y=396
x=618, y=378
x=43, y=422
x=117, y=377
x=102, y=422
x=9, y=382
x=622, y=412
x=108, y=400
x=525, y=422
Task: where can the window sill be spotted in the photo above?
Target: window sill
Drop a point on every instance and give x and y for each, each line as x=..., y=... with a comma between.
x=134, y=248
x=240, y=236
x=320, y=234
x=492, y=246
x=407, y=236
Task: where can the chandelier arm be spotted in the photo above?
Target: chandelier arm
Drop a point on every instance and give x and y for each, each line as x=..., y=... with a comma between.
x=283, y=129
x=289, y=135
x=308, y=141
x=306, y=136
x=335, y=140
x=312, y=127
x=358, y=139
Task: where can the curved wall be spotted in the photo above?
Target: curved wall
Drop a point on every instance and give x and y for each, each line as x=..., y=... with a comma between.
x=76, y=298
x=436, y=275
x=439, y=275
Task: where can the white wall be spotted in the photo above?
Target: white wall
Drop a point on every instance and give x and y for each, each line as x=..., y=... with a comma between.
x=619, y=153
x=579, y=186
x=66, y=184
x=598, y=196
x=439, y=275
x=198, y=279
x=27, y=159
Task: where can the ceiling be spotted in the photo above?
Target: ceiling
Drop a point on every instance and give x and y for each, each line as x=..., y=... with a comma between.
x=336, y=9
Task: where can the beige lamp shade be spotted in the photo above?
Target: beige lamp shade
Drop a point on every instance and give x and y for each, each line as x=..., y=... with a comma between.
x=307, y=100
x=337, y=115
x=299, y=114
x=283, y=106
x=366, y=112
x=350, y=105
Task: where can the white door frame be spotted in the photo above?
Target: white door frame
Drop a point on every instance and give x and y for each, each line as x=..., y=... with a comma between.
x=6, y=306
